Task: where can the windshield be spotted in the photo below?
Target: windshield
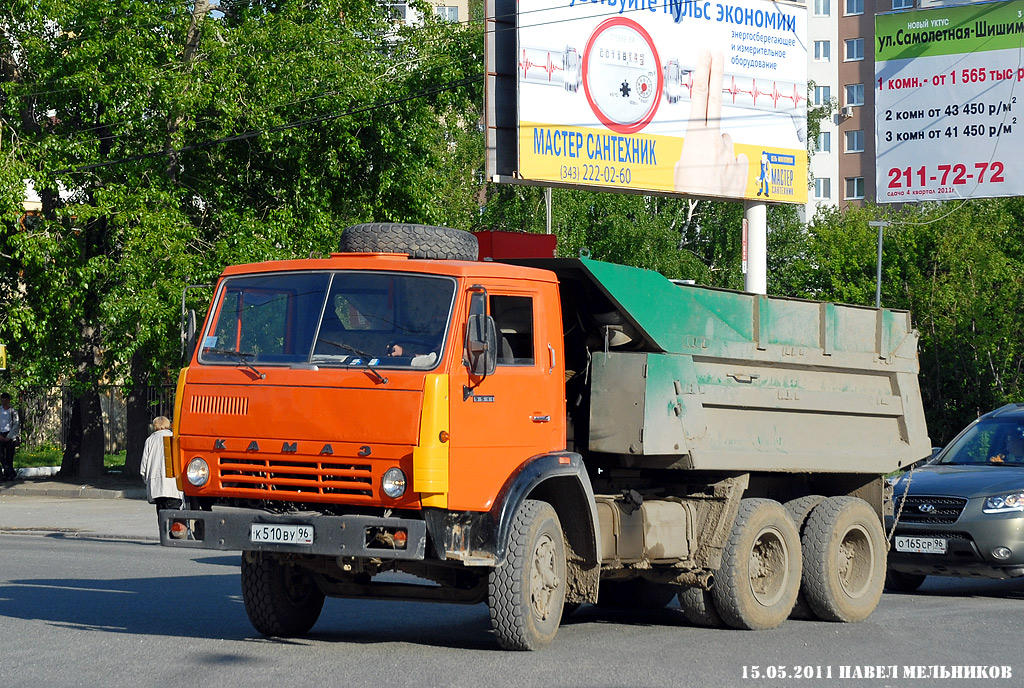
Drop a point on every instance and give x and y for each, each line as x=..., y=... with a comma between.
x=391, y=320
x=995, y=441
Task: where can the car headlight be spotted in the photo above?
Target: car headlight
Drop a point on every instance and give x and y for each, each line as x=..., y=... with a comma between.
x=1004, y=503
x=393, y=483
x=197, y=472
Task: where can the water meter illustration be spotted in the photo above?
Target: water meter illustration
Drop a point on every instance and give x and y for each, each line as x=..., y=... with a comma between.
x=624, y=80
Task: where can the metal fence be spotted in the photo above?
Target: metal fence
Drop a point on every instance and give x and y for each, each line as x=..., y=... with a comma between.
x=46, y=414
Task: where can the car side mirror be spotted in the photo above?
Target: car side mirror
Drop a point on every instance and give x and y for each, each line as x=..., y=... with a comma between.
x=481, y=350
x=189, y=335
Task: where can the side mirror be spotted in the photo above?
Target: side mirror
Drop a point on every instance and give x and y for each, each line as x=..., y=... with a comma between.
x=189, y=335
x=481, y=345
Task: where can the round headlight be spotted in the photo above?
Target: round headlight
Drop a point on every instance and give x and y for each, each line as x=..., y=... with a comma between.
x=393, y=483
x=197, y=472
x=1012, y=501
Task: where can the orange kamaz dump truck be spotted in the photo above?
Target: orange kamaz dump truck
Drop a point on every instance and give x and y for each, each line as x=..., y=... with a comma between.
x=535, y=435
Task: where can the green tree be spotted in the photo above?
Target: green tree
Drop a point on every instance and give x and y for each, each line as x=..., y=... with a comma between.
x=168, y=141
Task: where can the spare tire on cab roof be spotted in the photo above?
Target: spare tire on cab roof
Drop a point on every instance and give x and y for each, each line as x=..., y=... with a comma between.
x=419, y=241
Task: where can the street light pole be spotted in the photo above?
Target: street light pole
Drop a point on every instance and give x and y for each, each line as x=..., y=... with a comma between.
x=881, y=224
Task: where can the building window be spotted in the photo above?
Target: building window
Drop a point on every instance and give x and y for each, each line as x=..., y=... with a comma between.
x=822, y=8
x=854, y=49
x=854, y=188
x=855, y=141
x=399, y=11
x=902, y=4
x=448, y=13
x=854, y=7
x=822, y=51
x=822, y=95
x=855, y=94
x=822, y=187
x=823, y=144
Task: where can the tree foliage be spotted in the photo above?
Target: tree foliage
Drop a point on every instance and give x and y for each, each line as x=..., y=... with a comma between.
x=168, y=141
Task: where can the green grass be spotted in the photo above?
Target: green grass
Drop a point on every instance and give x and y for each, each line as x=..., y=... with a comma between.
x=49, y=455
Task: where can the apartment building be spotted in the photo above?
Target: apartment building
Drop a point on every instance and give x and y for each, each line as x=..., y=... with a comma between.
x=840, y=45
x=452, y=10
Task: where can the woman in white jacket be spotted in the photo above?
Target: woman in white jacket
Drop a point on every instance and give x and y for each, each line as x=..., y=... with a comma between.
x=160, y=489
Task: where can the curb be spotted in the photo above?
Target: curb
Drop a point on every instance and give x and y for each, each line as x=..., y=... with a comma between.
x=70, y=491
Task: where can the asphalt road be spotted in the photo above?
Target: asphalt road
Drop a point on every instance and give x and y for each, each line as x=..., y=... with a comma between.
x=81, y=607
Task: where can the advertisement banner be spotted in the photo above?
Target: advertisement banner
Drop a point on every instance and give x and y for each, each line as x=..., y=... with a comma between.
x=700, y=98
x=949, y=98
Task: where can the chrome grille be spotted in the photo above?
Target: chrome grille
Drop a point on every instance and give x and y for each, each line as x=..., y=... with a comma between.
x=270, y=476
x=944, y=509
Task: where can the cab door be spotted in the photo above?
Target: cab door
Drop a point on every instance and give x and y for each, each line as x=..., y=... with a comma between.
x=501, y=420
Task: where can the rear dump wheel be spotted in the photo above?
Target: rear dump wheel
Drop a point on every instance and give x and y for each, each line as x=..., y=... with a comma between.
x=897, y=581
x=281, y=599
x=800, y=508
x=844, y=559
x=699, y=608
x=526, y=594
x=758, y=581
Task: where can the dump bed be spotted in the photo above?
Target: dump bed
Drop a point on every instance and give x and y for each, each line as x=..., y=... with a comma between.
x=693, y=377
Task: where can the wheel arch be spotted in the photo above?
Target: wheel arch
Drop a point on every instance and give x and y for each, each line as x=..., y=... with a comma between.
x=561, y=480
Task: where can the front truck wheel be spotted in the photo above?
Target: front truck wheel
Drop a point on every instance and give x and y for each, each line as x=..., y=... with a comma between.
x=758, y=581
x=844, y=559
x=527, y=592
x=281, y=599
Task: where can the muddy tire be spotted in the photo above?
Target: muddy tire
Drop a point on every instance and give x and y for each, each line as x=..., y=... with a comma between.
x=897, y=581
x=799, y=509
x=281, y=600
x=759, y=579
x=699, y=608
x=419, y=241
x=527, y=593
x=844, y=559
x=635, y=594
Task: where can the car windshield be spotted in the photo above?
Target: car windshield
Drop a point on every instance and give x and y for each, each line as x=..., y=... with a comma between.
x=391, y=320
x=989, y=442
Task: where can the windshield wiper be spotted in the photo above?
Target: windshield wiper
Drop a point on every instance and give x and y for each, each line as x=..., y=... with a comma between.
x=239, y=356
x=366, y=366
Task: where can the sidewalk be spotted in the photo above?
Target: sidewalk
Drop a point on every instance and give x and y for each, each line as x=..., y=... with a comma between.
x=111, y=507
x=42, y=482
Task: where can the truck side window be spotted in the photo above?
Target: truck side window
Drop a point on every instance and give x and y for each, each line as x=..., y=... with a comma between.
x=513, y=316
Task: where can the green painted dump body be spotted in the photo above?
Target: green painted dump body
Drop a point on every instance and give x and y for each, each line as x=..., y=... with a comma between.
x=700, y=378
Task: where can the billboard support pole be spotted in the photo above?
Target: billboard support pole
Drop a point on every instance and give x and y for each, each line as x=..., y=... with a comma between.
x=547, y=204
x=756, y=215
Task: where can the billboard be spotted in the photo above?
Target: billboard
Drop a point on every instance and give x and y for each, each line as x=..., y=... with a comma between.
x=674, y=96
x=949, y=101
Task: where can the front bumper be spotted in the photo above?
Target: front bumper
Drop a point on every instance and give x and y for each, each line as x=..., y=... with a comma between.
x=228, y=528
x=969, y=545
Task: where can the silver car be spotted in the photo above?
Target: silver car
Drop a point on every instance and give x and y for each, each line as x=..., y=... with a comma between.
x=962, y=513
